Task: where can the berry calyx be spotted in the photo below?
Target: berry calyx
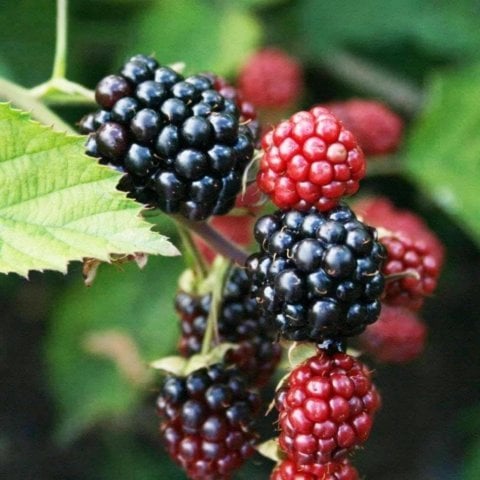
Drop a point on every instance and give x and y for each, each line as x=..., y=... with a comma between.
x=179, y=141
x=206, y=421
x=271, y=79
x=288, y=470
x=310, y=160
x=377, y=129
x=318, y=275
x=326, y=408
x=398, y=336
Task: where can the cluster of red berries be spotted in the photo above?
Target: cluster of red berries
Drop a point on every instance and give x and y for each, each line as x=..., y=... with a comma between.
x=321, y=274
x=414, y=260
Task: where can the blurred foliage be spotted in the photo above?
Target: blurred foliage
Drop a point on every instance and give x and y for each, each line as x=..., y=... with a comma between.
x=443, y=151
x=423, y=43
x=137, y=303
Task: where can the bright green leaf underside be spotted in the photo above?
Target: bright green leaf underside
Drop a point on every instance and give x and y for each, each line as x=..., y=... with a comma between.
x=443, y=152
x=57, y=205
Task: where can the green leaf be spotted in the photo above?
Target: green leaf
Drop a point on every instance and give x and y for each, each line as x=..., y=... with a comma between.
x=89, y=387
x=57, y=205
x=202, y=34
x=443, y=149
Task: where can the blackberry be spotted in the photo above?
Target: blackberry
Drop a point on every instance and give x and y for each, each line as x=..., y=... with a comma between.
x=326, y=409
x=207, y=421
x=182, y=145
x=310, y=160
x=288, y=470
x=318, y=275
x=248, y=113
x=239, y=322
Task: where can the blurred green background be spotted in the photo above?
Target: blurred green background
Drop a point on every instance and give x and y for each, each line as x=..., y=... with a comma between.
x=69, y=413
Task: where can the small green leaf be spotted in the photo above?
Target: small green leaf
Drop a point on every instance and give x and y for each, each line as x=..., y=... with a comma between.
x=270, y=449
x=443, y=149
x=57, y=205
x=299, y=352
x=206, y=36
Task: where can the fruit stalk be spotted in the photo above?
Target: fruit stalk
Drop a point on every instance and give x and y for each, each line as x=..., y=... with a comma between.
x=217, y=241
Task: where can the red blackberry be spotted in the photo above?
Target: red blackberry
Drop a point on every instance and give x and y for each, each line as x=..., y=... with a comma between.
x=318, y=275
x=326, y=409
x=239, y=322
x=398, y=336
x=288, y=470
x=413, y=258
x=207, y=421
x=310, y=160
x=271, y=79
x=380, y=212
x=178, y=139
x=377, y=129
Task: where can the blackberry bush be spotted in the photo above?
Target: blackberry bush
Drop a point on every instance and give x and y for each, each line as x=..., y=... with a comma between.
x=318, y=275
x=179, y=141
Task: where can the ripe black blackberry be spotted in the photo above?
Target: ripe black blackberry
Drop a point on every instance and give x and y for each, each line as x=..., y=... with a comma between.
x=318, y=275
x=179, y=141
x=239, y=322
x=207, y=421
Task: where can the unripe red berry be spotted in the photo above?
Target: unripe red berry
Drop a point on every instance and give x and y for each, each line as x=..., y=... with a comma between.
x=326, y=409
x=271, y=78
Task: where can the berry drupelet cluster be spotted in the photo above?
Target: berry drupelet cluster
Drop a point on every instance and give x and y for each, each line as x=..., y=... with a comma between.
x=412, y=268
x=317, y=275
x=207, y=421
x=180, y=142
x=239, y=322
x=326, y=408
x=310, y=160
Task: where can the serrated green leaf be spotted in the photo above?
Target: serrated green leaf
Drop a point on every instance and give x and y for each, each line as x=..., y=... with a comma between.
x=57, y=205
x=88, y=387
x=443, y=149
x=204, y=35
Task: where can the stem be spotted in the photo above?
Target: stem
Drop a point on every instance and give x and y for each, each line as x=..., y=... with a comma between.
x=60, y=62
x=217, y=241
x=21, y=98
x=373, y=80
x=194, y=259
x=220, y=273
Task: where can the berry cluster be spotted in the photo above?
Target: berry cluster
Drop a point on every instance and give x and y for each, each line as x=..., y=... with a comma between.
x=321, y=274
x=180, y=141
x=239, y=322
x=271, y=79
x=207, y=421
x=413, y=264
x=288, y=470
x=326, y=409
x=318, y=275
x=310, y=160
